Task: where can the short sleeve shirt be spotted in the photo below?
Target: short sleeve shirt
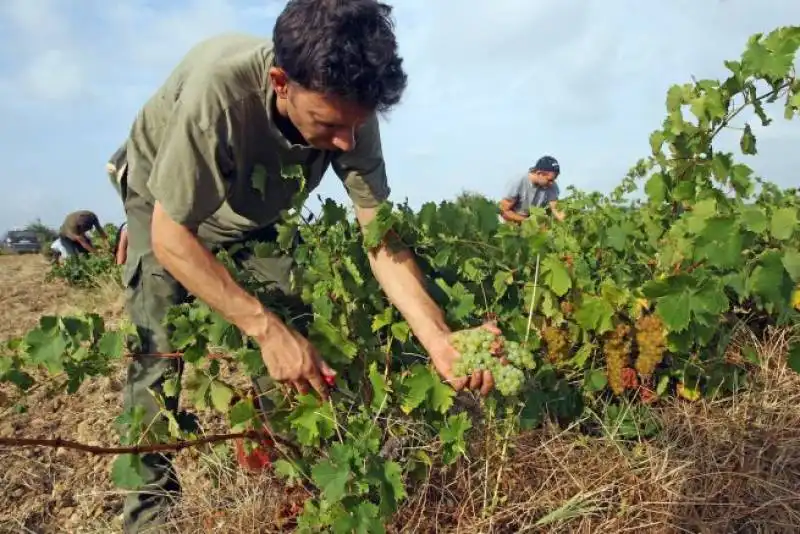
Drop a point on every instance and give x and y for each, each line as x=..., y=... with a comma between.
x=207, y=148
x=78, y=223
x=526, y=195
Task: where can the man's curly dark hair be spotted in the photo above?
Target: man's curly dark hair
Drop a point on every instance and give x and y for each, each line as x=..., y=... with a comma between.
x=342, y=47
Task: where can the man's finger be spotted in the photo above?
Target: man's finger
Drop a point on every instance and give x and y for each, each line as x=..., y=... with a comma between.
x=475, y=380
x=492, y=327
x=488, y=383
x=319, y=384
x=301, y=386
x=458, y=383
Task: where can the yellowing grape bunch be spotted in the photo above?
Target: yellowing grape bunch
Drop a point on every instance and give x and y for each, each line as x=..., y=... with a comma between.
x=796, y=298
x=483, y=350
x=617, y=350
x=651, y=339
x=557, y=342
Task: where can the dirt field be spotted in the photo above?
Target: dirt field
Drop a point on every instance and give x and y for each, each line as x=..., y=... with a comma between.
x=724, y=467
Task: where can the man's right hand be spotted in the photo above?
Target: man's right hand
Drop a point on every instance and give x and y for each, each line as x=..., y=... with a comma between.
x=291, y=359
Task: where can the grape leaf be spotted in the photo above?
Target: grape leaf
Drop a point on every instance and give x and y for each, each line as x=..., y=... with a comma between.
x=242, y=415
x=675, y=311
x=47, y=348
x=362, y=520
x=287, y=470
x=221, y=396
x=556, y=276
x=311, y=420
x=784, y=223
x=392, y=490
x=791, y=262
x=595, y=313
x=754, y=219
x=595, y=380
x=252, y=361
x=331, y=476
x=112, y=345
x=127, y=472
x=379, y=389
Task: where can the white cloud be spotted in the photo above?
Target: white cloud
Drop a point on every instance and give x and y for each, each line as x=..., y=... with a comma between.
x=51, y=65
x=54, y=75
x=493, y=85
x=35, y=18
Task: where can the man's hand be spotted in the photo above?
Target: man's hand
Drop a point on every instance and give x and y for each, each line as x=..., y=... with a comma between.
x=558, y=214
x=507, y=211
x=444, y=357
x=292, y=359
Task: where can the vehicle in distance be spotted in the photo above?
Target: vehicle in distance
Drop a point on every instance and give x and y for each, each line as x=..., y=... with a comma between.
x=21, y=242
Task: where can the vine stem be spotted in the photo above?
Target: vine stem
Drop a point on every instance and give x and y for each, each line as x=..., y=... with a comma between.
x=533, y=300
x=59, y=443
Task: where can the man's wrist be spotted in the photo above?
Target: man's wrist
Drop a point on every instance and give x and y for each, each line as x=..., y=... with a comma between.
x=435, y=334
x=257, y=323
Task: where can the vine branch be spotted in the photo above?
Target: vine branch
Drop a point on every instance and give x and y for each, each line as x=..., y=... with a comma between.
x=59, y=443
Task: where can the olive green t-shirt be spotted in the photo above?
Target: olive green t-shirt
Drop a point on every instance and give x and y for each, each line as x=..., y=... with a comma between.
x=205, y=145
x=79, y=222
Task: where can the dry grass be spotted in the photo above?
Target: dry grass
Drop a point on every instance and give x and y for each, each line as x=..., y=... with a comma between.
x=717, y=466
x=25, y=296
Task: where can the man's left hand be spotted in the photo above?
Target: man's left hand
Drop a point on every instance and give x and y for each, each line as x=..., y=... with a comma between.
x=444, y=356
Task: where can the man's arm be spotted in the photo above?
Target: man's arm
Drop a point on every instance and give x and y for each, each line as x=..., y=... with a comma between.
x=99, y=227
x=180, y=252
x=403, y=282
x=122, y=247
x=363, y=172
x=507, y=211
x=558, y=214
x=553, y=194
x=81, y=238
x=189, y=183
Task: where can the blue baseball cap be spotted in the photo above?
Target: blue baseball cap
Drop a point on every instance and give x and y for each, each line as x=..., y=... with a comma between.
x=547, y=164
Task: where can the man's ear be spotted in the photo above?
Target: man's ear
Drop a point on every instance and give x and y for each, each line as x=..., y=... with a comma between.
x=280, y=81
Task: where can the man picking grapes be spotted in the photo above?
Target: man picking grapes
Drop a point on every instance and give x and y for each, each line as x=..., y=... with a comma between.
x=213, y=158
x=536, y=189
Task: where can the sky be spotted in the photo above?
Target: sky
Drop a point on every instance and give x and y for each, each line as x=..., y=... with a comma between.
x=492, y=86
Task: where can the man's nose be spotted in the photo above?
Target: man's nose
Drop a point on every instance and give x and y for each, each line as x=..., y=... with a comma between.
x=345, y=139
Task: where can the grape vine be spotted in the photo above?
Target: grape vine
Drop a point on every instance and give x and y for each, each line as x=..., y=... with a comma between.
x=659, y=282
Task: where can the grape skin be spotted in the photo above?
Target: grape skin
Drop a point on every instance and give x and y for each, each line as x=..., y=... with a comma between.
x=617, y=349
x=651, y=340
x=483, y=350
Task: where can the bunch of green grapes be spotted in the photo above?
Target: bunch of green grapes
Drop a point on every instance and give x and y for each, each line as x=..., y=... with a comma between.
x=617, y=348
x=557, y=341
x=651, y=339
x=482, y=350
x=518, y=356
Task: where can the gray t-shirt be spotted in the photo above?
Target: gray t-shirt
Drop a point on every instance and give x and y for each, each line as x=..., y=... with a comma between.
x=526, y=194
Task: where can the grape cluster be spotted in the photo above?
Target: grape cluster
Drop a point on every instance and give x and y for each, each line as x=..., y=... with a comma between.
x=650, y=338
x=617, y=348
x=482, y=350
x=557, y=342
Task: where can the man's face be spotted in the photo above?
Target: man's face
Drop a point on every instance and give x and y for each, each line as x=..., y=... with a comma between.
x=542, y=178
x=325, y=122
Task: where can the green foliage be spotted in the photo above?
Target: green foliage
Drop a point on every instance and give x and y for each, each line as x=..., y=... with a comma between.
x=89, y=270
x=86, y=270
x=708, y=246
